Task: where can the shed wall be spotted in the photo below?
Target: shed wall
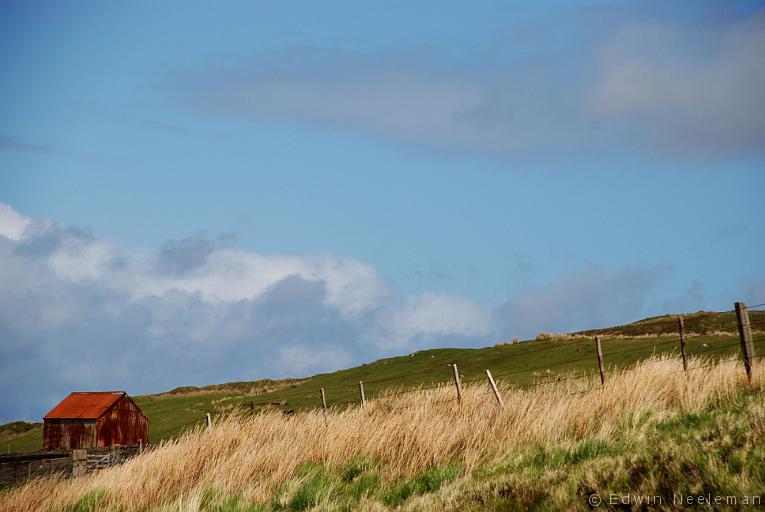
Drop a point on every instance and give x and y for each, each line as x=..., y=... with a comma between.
x=68, y=434
x=122, y=424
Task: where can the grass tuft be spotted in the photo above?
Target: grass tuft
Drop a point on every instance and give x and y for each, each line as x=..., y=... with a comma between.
x=316, y=487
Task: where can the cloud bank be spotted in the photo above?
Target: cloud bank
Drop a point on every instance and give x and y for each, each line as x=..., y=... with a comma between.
x=695, y=92
x=676, y=85
x=78, y=312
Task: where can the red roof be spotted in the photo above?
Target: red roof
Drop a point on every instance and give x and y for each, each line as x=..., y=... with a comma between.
x=85, y=405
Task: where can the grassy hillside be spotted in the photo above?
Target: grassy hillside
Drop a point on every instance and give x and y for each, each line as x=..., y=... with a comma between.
x=651, y=431
x=519, y=364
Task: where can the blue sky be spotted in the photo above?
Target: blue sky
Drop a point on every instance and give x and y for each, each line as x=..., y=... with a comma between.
x=309, y=186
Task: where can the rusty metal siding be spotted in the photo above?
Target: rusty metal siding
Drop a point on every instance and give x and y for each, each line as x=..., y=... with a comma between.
x=123, y=424
x=68, y=434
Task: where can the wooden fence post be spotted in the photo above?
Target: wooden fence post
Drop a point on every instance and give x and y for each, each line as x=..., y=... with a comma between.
x=324, y=407
x=600, y=361
x=252, y=407
x=140, y=446
x=457, y=381
x=681, y=325
x=79, y=462
x=361, y=392
x=209, y=421
x=496, y=391
x=745, y=333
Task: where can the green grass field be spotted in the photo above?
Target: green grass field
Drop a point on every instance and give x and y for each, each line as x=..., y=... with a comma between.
x=519, y=364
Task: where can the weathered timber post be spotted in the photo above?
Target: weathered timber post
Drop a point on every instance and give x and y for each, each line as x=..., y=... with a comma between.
x=457, y=381
x=361, y=393
x=745, y=333
x=681, y=326
x=140, y=446
x=324, y=407
x=496, y=391
x=209, y=420
x=600, y=361
x=79, y=462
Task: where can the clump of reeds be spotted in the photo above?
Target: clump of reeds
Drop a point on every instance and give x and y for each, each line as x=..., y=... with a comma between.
x=253, y=456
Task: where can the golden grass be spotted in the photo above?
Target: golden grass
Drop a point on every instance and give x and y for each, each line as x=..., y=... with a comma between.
x=409, y=433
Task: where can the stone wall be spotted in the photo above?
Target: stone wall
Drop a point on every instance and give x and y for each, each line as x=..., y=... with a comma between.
x=20, y=467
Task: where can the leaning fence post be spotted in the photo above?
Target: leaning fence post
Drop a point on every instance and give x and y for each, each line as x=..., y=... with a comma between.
x=496, y=391
x=681, y=325
x=209, y=421
x=457, y=381
x=324, y=406
x=600, y=361
x=361, y=392
x=745, y=333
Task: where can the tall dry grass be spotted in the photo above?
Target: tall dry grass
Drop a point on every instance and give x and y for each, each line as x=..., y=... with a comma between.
x=254, y=456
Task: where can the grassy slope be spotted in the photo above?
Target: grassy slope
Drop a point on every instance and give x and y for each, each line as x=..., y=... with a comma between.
x=172, y=413
x=717, y=451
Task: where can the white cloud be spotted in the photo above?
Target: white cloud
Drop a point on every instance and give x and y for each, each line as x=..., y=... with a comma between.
x=441, y=314
x=224, y=275
x=78, y=259
x=230, y=275
x=12, y=223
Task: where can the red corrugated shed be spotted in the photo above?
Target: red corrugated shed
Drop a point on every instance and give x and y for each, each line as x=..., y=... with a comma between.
x=84, y=420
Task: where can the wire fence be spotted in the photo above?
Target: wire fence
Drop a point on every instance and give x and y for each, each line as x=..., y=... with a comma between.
x=594, y=377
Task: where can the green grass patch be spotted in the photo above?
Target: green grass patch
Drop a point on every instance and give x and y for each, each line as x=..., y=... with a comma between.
x=429, y=481
x=355, y=467
x=317, y=485
x=93, y=501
